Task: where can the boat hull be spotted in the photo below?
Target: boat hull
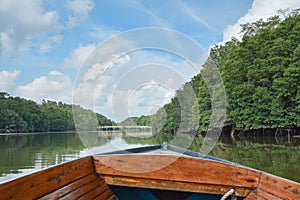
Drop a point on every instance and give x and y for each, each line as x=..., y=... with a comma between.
x=73, y=180
x=154, y=171
x=193, y=175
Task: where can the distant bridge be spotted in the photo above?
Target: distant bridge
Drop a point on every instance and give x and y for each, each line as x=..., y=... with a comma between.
x=125, y=130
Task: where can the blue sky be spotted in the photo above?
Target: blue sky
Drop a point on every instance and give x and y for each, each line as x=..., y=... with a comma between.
x=43, y=44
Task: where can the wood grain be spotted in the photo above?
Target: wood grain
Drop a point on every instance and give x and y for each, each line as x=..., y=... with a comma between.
x=173, y=185
x=88, y=178
x=253, y=196
x=261, y=194
x=69, y=188
x=216, y=176
x=279, y=187
x=38, y=184
x=81, y=191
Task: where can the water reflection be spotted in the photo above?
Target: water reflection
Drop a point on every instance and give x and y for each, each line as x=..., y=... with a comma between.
x=279, y=156
x=21, y=154
x=24, y=153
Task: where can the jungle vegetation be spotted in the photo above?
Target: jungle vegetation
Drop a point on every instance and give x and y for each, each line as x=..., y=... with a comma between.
x=21, y=115
x=261, y=75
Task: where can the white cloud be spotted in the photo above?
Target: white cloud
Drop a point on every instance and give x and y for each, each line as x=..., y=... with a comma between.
x=142, y=100
x=82, y=52
x=6, y=43
x=80, y=8
x=152, y=75
x=8, y=80
x=83, y=95
x=45, y=47
x=55, y=86
x=150, y=82
x=138, y=83
x=56, y=38
x=55, y=73
x=97, y=69
x=78, y=56
x=48, y=45
x=119, y=104
x=102, y=33
x=21, y=21
x=86, y=86
x=261, y=9
x=72, y=21
x=89, y=88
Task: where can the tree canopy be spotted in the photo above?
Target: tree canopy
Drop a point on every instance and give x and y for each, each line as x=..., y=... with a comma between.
x=21, y=115
x=261, y=74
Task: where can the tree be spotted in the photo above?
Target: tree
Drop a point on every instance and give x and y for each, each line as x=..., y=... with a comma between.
x=261, y=74
x=21, y=115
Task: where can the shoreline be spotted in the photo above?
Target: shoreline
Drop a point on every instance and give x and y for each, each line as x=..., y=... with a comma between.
x=32, y=133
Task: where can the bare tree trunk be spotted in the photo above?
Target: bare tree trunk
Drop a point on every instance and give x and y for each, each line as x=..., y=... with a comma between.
x=277, y=130
x=232, y=134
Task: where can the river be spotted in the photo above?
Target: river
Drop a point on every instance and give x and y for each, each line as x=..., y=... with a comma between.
x=22, y=154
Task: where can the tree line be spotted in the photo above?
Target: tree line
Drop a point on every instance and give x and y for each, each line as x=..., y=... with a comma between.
x=261, y=75
x=260, y=72
x=21, y=115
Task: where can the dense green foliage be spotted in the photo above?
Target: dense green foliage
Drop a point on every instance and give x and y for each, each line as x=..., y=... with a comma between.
x=21, y=115
x=261, y=75
x=136, y=121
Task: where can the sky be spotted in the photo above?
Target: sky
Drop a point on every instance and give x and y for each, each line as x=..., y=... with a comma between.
x=118, y=58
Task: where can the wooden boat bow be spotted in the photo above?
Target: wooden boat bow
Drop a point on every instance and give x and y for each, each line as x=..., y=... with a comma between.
x=161, y=169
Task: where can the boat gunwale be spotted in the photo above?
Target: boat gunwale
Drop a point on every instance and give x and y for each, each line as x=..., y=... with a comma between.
x=172, y=148
x=43, y=169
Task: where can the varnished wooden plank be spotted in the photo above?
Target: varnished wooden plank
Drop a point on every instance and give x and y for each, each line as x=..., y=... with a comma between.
x=112, y=197
x=95, y=192
x=107, y=194
x=253, y=196
x=173, y=185
x=43, y=182
x=261, y=195
x=265, y=195
x=181, y=169
x=81, y=191
x=279, y=187
x=90, y=195
x=69, y=188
